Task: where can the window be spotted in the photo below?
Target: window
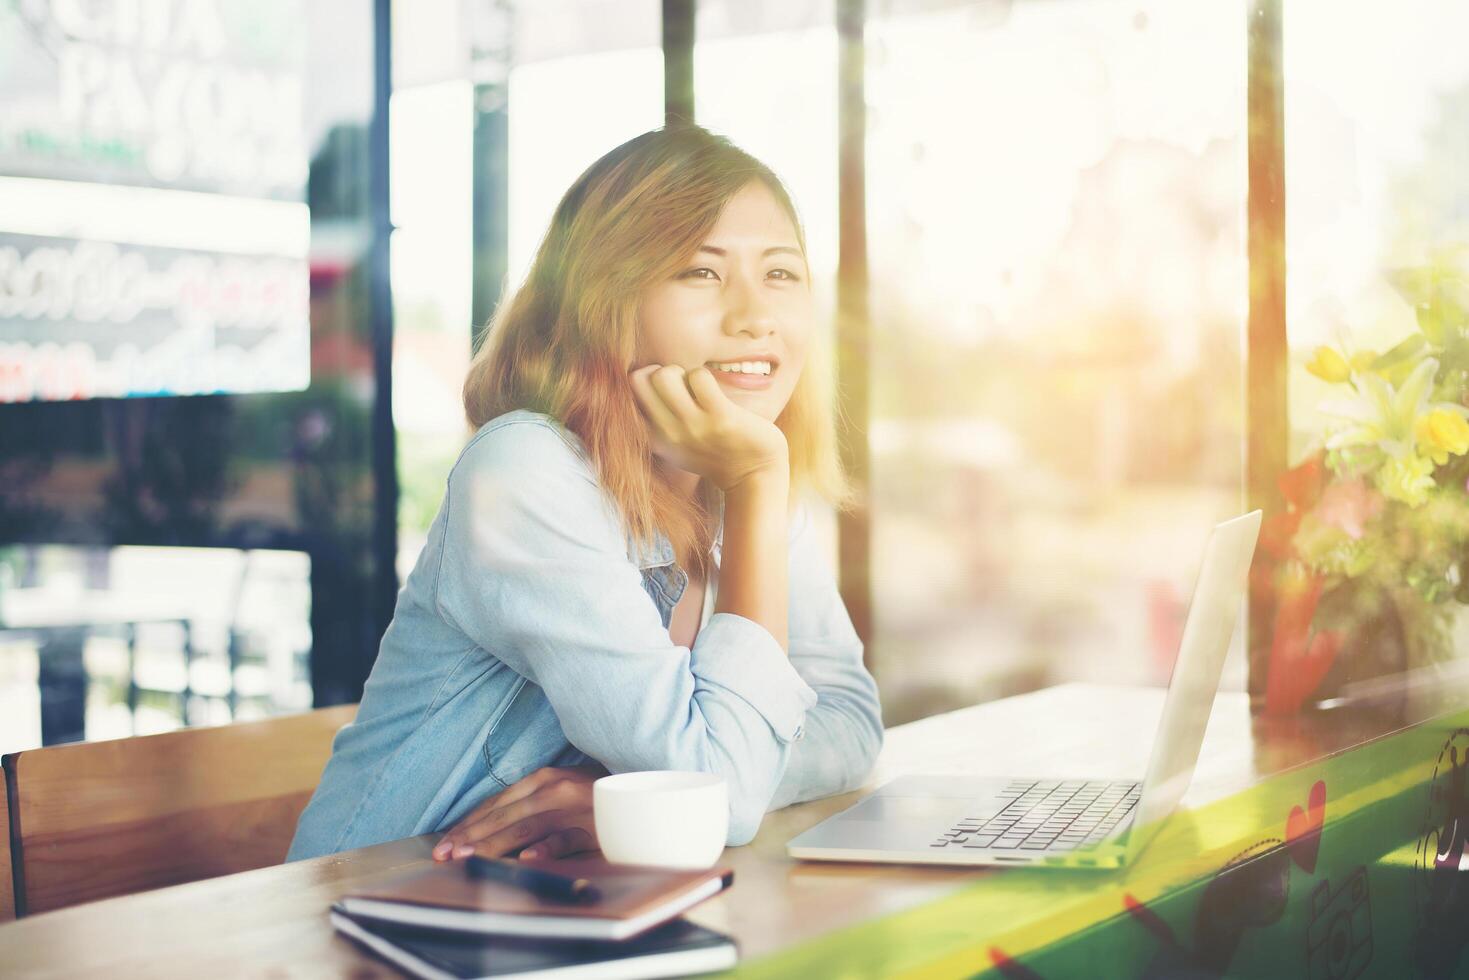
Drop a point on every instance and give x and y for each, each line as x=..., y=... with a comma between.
x=1055, y=225
x=1377, y=248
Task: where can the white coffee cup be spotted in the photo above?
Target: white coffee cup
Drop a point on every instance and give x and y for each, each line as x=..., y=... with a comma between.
x=667, y=818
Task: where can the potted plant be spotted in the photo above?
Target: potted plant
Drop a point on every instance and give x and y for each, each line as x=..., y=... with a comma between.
x=1369, y=560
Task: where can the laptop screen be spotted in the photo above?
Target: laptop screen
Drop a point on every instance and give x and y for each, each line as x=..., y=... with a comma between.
x=1212, y=615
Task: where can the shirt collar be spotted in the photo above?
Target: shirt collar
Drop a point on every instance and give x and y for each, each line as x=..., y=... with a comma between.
x=651, y=554
x=660, y=550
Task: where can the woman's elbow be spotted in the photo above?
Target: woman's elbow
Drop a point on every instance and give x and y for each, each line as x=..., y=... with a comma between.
x=744, y=823
x=875, y=743
x=863, y=757
x=748, y=804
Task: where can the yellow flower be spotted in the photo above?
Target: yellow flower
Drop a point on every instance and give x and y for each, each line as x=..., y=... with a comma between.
x=1407, y=478
x=1362, y=360
x=1441, y=434
x=1383, y=415
x=1328, y=365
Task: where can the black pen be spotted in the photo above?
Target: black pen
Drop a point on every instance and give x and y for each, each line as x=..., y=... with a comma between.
x=542, y=884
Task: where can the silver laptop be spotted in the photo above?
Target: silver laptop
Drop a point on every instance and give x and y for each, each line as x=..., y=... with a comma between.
x=1068, y=822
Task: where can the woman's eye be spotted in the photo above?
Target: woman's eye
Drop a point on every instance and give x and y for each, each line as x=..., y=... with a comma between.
x=786, y=274
x=693, y=273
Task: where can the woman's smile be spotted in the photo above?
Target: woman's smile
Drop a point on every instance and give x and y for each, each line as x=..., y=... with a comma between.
x=749, y=375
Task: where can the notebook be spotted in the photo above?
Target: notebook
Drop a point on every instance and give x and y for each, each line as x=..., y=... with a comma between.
x=443, y=896
x=677, y=948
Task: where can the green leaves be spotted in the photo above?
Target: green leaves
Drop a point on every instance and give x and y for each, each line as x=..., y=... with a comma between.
x=1396, y=363
x=1439, y=295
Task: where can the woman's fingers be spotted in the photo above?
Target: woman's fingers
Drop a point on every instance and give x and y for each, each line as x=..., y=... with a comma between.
x=561, y=843
x=511, y=837
x=465, y=838
x=671, y=382
x=699, y=428
x=519, y=790
x=652, y=403
x=706, y=391
x=561, y=800
x=444, y=849
x=677, y=395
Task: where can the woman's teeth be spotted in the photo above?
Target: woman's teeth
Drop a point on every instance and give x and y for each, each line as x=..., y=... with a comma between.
x=744, y=367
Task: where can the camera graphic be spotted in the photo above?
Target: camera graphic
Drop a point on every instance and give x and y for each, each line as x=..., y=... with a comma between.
x=1339, y=938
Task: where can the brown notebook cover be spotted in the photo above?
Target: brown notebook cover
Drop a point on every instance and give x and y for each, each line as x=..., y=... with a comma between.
x=634, y=898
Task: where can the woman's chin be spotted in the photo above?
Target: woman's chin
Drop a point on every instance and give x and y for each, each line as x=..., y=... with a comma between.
x=762, y=403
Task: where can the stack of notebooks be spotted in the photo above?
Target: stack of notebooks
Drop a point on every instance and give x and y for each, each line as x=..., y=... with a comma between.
x=443, y=922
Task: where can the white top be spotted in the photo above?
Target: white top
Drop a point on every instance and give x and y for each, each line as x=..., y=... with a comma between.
x=708, y=595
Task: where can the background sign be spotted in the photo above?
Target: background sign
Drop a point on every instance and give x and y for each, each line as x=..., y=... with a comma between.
x=154, y=233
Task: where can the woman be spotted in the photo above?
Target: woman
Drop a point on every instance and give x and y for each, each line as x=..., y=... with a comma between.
x=631, y=449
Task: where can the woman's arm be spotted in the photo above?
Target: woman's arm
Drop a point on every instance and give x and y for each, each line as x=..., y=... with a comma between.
x=535, y=571
x=843, y=733
x=753, y=571
x=748, y=459
x=760, y=560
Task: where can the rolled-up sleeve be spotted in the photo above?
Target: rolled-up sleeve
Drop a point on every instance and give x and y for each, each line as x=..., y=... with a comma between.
x=535, y=571
x=843, y=732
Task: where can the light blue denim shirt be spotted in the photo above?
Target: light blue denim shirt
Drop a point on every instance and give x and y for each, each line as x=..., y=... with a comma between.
x=533, y=632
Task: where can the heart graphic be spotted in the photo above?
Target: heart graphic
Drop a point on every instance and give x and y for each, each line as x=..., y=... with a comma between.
x=1009, y=968
x=1303, y=828
x=1149, y=920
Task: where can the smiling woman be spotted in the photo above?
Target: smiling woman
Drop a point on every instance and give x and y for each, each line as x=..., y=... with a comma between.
x=647, y=422
x=730, y=313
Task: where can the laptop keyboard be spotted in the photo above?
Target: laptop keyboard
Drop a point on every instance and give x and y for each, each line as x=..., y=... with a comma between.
x=1048, y=815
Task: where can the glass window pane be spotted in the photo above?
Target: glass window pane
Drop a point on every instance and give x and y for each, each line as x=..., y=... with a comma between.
x=1055, y=207
x=785, y=116
x=580, y=81
x=105, y=643
x=212, y=146
x=571, y=103
x=1377, y=239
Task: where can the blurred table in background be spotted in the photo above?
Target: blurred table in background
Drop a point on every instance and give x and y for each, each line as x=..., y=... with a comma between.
x=61, y=669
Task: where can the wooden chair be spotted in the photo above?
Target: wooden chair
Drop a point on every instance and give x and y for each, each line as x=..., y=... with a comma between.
x=7, y=887
x=97, y=819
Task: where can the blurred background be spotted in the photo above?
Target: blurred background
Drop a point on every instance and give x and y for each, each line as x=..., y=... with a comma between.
x=244, y=247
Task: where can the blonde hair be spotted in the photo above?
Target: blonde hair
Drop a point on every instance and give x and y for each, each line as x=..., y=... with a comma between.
x=564, y=342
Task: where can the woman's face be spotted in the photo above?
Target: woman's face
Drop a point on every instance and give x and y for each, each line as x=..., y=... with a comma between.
x=745, y=296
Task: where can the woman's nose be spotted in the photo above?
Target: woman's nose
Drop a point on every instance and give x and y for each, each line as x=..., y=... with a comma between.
x=748, y=311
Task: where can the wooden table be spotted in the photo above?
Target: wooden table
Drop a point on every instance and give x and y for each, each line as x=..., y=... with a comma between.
x=272, y=922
